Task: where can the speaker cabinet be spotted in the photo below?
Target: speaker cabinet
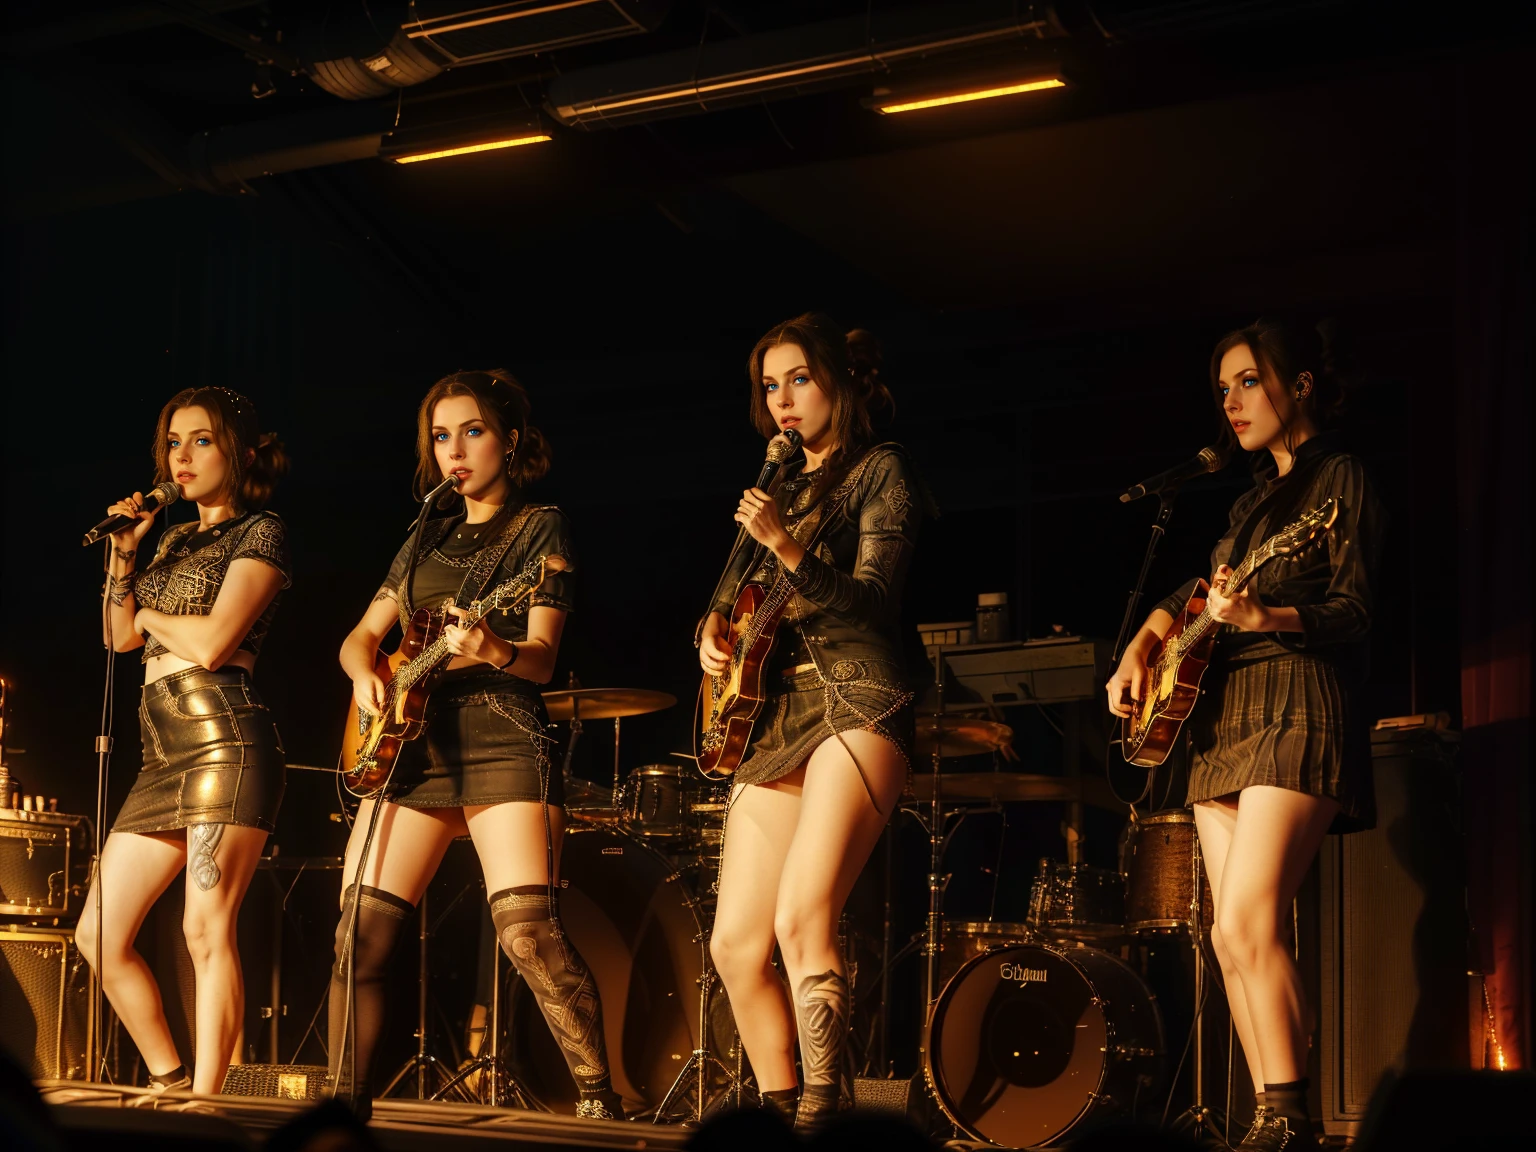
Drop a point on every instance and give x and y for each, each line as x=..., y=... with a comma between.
x=45, y=1002
x=1392, y=932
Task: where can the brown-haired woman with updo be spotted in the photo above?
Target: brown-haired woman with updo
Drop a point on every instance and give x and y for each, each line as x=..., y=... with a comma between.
x=482, y=766
x=207, y=795
x=1280, y=749
x=831, y=748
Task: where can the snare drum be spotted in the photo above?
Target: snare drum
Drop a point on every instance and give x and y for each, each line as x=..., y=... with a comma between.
x=658, y=801
x=1163, y=867
x=1077, y=901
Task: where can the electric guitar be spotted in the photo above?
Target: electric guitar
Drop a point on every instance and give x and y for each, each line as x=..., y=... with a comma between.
x=730, y=702
x=1176, y=665
x=371, y=743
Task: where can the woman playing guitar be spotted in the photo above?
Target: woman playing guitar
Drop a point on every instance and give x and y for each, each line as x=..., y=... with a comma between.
x=207, y=795
x=482, y=766
x=829, y=757
x=1280, y=752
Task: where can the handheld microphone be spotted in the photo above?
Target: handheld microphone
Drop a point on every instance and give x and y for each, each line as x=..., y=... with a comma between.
x=1212, y=459
x=780, y=449
x=157, y=497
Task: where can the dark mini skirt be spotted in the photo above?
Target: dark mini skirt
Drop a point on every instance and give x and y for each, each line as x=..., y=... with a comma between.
x=212, y=755
x=484, y=748
x=1287, y=721
x=804, y=711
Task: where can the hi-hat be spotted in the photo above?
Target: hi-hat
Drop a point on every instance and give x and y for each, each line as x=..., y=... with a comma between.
x=605, y=703
x=961, y=736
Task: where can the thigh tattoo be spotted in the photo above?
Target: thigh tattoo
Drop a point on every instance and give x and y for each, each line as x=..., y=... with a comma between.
x=204, y=841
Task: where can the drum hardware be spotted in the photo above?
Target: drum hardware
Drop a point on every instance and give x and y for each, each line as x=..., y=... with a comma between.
x=1004, y=787
x=1077, y=902
x=962, y=736
x=576, y=704
x=657, y=804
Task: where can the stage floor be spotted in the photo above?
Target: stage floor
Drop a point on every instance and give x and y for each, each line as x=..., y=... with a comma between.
x=397, y=1125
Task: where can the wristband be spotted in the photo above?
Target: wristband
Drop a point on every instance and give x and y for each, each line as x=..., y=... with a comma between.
x=511, y=660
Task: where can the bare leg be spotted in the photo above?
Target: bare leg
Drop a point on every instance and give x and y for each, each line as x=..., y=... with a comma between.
x=759, y=830
x=1216, y=819
x=408, y=845
x=510, y=841
x=135, y=870
x=837, y=830
x=1275, y=839
x=221, y=859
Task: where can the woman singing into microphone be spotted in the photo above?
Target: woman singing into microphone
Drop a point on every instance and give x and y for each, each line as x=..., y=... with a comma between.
x=1280, y=750
x=207, y=795
x=830, y=750
x=482, y=766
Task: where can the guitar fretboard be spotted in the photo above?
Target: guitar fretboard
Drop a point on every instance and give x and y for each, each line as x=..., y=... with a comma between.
x=1201, y=623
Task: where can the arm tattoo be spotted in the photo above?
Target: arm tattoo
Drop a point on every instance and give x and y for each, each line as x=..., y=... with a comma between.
x=203, y=839
x=821, y=1003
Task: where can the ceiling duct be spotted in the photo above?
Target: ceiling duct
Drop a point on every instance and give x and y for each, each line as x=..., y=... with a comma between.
x=384, y=47
x=785, y=62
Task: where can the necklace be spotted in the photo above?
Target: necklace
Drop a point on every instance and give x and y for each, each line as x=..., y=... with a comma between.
x=481, y=527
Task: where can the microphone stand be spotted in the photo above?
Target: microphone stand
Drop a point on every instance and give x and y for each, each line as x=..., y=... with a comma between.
x=1165, y=499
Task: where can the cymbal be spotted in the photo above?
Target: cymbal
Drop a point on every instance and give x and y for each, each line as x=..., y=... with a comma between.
x=962, y=736
x=1014, y=786
x=605, y=703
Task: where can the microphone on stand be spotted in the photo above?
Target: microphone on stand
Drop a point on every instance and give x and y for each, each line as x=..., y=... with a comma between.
x=1212, y=459
x=157, y=497
x=780, y=449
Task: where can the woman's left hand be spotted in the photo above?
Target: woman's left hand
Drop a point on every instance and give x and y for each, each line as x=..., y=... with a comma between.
x=477, y=643
x=1242, y=611
x=759, y=515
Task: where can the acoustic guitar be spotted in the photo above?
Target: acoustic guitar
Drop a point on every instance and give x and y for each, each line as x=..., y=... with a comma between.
x=371, y=743
x=1176, y=665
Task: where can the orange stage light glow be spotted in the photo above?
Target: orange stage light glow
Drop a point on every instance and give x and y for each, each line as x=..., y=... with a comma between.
x=514, y=142
x=966, y=97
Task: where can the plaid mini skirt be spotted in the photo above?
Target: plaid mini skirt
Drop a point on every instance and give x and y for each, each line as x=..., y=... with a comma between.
x=1287, y=720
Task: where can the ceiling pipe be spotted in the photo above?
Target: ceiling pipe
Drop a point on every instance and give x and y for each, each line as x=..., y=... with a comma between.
x=789, y=61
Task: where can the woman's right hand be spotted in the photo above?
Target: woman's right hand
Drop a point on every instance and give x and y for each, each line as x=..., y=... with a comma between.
x=714, y=645
x=127, y=539
x=368, y=692
x=1126, y=686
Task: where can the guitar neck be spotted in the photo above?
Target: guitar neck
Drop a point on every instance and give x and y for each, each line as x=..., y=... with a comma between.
x=1240, y=577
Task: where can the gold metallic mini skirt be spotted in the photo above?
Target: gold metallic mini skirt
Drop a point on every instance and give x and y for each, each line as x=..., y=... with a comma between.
x=212, y=755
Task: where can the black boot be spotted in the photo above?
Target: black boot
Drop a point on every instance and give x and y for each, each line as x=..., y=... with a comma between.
x=381, y=917
x=782, y=1102
x=1283, y=1124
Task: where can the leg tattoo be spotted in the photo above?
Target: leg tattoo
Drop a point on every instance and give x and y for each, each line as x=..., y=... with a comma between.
x=561, y=983
x=203, y=840
x=821, y=1008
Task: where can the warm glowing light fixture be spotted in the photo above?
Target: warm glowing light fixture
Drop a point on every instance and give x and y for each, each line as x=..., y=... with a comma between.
x=976, y=94
x=465, y=149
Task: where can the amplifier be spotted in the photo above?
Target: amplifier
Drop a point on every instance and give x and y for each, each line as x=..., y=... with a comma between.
x=279, y=1081
x=45, y=1002
x=44, y=857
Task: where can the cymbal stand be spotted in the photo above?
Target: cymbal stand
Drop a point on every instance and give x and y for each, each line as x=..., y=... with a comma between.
x=702, y=1061
x=1198, y=1114
x=570, y=745
x=938, y=880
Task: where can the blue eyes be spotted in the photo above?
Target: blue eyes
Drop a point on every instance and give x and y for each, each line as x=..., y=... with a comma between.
x=203, y=440
x=441, y=437
x=798, y=378
x=1248, y=382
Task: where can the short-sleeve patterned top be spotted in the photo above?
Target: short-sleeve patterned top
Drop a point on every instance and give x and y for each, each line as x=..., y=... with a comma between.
x=448, y=548
x=189, y=567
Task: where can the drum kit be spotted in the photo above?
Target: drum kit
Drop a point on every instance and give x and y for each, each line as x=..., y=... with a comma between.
x=1031, y=1028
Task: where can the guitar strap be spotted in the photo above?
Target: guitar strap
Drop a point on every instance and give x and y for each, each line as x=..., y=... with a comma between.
x=489, y=558
x=1286, y=500
x=810, y=527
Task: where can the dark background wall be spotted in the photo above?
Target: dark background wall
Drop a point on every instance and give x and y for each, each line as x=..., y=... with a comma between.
x=1048, y=286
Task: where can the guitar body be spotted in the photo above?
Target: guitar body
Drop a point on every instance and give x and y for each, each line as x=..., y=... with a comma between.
x=729, y=704
x=1149, y=733
x=370, y=744
x=1176, y=666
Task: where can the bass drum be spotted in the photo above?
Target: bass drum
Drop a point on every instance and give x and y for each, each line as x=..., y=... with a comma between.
x=1029, y=1041
x=631, y=915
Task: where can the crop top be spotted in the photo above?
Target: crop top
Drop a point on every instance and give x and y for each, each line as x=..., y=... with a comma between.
x=189, y=567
